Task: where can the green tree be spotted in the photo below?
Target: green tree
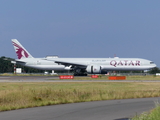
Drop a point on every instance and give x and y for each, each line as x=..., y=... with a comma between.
x=154, y=70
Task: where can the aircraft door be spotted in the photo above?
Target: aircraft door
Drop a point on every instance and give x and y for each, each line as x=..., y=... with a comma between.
x=38, y=62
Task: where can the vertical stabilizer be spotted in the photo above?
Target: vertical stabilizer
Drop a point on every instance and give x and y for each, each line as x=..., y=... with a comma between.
x=20, y=50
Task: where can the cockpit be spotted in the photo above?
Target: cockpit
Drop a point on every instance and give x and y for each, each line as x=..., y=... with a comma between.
x=152, y=63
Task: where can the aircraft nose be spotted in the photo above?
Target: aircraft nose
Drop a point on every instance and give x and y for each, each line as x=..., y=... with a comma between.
x=154, y=65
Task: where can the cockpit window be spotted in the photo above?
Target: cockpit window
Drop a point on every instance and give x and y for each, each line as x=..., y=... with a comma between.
x=151, y=62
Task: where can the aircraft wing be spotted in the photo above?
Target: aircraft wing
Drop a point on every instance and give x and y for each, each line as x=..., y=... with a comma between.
x=14, y=61
x=66, y=63
x=9, y=59
x=70, y=63
x=20, y=62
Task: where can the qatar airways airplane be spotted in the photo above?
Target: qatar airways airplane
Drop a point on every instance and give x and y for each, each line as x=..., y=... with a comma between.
x=80, y=65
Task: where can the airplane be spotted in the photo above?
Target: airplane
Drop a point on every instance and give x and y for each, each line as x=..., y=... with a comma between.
x=80, y=65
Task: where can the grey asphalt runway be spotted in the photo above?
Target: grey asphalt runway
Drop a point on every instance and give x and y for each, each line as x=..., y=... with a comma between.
x=98, y=110
x=56, y=79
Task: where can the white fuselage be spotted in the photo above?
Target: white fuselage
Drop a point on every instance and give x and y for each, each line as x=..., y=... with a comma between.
x=104, y=63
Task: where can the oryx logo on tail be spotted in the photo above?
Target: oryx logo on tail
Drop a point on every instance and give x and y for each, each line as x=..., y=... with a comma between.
x=20, y=50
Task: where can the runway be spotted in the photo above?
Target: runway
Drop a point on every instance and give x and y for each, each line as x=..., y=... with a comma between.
x=56, y=79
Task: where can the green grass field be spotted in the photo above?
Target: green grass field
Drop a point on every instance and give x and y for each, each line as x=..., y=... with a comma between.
x=24, y=95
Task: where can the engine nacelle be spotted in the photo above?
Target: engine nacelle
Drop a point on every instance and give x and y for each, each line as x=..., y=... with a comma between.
x=93, y=69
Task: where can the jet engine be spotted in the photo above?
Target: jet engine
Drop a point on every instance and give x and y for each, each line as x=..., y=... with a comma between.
x=93, y=69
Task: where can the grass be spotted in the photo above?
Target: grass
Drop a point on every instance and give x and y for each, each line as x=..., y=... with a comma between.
x=152, y=115
x=24, y=95
x=151, y=77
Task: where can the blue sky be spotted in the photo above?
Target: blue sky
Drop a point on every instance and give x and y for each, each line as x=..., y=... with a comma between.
x=84, y=28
